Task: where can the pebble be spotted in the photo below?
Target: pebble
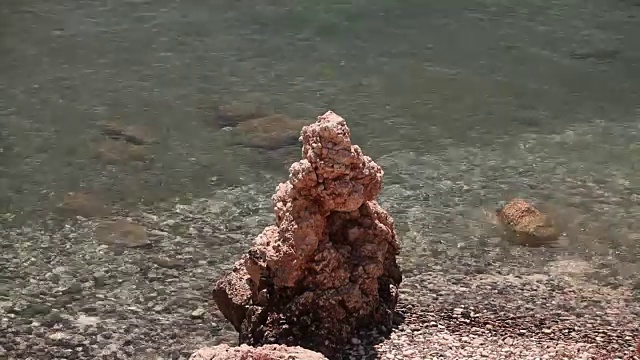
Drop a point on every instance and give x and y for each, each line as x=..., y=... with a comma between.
x=99, y=279
x=155, y=232
x=57, y=336
x=198, y=313
x=150, y=217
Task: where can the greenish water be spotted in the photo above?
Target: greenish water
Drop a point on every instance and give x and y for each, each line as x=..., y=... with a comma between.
x=464, y=103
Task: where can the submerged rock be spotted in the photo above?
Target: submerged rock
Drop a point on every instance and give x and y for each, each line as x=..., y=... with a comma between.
x=83, y=203
x=256, y=126
x=113, y=152
x=270, y=132
x=122, y=232
x=597, y=54
x=524, y=224
x=233, y=114
x=135, y=135
x=327, y=267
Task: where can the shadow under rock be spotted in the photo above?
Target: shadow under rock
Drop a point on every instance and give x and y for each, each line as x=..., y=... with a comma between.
x=363, y=345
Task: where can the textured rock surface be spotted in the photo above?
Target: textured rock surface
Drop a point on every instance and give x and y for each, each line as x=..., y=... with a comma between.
x=328, y=265
x=525, y=225
x=266, y=352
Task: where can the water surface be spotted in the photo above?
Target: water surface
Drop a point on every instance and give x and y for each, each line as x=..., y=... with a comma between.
x=464, y=105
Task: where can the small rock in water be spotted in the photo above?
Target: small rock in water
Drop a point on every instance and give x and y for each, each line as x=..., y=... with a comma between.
x=525, y=225
x=122, y=232
x=83, y=204
x=166, y=262
x=57, y=336
x=6, y=306
x=87, y=320
x=134, y=135
x=113, y=152
x=198, y=313
x=99, y=279
x=271, y=132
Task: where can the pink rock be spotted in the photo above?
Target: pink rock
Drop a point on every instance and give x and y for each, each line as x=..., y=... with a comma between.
x=327, y=267
x=244, y=352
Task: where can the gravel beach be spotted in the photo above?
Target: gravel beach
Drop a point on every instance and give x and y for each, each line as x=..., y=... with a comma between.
x=493, y=316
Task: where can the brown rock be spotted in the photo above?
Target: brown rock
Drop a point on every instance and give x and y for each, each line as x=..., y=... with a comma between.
x=327, y=267
x=122, y=232
x=271, y=132
x=135, y=135
x=257, y=126
x=83, y=203
x=525, y=225
x=113, y=152
x=233, y=114
x=235, y=299
x=266, y=352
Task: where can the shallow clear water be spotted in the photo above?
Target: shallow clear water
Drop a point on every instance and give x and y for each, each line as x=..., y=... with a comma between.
x=463, y=105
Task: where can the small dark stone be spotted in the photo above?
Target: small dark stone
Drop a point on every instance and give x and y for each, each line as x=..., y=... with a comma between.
x=99, y=279
x=161, y=291
x=89, y=309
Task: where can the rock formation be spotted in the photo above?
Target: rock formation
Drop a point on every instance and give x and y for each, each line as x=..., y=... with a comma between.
x=327, y=268
x=266, y=352
x=524, y=224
